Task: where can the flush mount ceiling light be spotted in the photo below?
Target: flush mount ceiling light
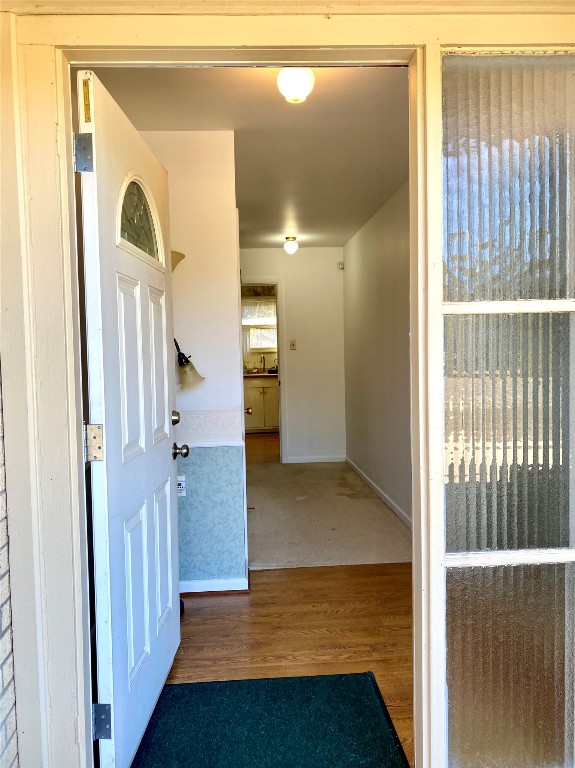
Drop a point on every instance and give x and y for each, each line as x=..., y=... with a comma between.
x=291, y=245
x=295, y=83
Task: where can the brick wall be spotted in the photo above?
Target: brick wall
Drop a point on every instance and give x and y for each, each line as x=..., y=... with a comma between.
x=8, y=738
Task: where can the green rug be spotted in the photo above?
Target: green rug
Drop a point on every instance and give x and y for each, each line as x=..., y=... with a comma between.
x=331, y=721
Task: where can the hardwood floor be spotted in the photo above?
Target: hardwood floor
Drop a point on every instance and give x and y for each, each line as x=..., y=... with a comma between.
x=308, y=621
x=263, y=448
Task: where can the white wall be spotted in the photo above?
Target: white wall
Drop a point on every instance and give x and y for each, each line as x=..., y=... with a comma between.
x=207, y=325
x=310, y=310
x=377, y=380
x=203, y=226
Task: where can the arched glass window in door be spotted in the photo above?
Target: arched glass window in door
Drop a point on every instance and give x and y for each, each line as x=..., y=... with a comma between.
x=137, y=224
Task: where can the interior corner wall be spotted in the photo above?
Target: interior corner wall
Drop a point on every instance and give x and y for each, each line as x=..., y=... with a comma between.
x=310, y=306
x=201, y=173
x=206, y=307
x=377, y=363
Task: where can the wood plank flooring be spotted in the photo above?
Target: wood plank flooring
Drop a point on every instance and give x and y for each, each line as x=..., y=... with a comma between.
x=308, y=621
x=263, y=448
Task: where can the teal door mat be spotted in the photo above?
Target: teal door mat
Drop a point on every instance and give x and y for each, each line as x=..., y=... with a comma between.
x=331, y=721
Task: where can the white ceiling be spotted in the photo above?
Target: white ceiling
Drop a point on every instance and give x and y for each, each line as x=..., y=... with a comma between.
x=318, y=170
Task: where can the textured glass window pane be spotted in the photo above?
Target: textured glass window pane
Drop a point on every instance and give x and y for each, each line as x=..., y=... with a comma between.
x=263, y=338
x=259, y=312
x=507, y=430
x=508, y=177
x=137, y=226
x=510, y=666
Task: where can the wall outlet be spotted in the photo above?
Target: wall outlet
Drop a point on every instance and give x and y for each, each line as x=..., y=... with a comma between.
x=181, y=485
x=292, y=344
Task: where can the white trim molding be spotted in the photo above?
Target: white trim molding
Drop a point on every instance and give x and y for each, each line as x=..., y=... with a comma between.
x=267, y=7
x=214, y=585
x=395, y=508
x=491, y=558
x=519, y=306
x=211, y=428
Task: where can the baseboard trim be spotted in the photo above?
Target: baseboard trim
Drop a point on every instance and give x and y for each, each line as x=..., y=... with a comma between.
x=403, y=516
x=311, y=459
x=214, y=585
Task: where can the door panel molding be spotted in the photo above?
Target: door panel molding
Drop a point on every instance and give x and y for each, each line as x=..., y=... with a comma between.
x=163, y=554
x=131, y=368
x=137, y=591
x=159, y=360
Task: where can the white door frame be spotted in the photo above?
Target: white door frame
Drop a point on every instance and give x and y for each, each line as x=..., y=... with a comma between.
x=280, y=304
x=41, y=344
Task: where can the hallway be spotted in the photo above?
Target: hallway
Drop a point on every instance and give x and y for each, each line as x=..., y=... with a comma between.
x=319, y=514
x=308, y=621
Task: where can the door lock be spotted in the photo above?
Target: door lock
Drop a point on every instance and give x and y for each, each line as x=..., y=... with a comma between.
x=175, y=418
x=182, y=450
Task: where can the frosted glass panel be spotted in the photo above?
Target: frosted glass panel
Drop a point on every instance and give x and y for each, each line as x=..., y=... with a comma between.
x=264, y=338
x=508, y=177
x=508, y=420
x=510, y=666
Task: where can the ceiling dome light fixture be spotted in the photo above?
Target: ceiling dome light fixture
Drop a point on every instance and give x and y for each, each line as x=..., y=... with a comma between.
x=291, y=245
x=295, y=83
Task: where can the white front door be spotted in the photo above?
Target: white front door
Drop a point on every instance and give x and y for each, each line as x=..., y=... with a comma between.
x=131, y=392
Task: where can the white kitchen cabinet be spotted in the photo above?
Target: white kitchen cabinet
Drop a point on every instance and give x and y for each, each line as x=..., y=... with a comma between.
x=254, y=399
x=261, y=394
x=271, y=406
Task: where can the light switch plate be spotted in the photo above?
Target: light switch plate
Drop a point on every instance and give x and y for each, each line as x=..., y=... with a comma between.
x=292, y=344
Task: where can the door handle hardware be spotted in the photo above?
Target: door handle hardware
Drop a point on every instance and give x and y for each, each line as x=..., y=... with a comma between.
x=249, y=411
x=182, y=450
x=175, y=418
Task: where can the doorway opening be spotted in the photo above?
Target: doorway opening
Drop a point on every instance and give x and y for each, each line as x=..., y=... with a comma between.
x=324, y=368
x=261, y=371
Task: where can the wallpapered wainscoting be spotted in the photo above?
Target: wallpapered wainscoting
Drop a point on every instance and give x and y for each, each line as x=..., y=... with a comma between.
x=212, y=514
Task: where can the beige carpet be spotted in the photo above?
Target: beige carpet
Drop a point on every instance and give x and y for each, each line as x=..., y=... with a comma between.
x=319, y=514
